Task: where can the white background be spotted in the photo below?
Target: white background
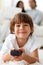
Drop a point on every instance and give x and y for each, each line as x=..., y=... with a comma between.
x=10, y=3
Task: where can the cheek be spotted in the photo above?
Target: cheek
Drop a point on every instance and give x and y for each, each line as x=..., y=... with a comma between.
x=16, y=31
x=28, y=30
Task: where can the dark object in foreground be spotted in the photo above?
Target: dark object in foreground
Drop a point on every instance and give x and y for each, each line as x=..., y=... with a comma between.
x=15, y=52
x=41, y=47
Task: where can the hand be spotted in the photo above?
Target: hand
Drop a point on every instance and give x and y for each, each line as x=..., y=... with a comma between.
x=24, y=54
x=22, y=50
x=18, y=58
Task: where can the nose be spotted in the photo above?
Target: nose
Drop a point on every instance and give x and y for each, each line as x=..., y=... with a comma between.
x=21, y=27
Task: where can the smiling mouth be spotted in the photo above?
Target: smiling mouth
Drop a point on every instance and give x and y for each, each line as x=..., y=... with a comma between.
x=22, y=32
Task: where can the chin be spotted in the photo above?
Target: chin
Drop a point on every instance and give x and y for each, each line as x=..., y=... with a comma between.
x=23, y=37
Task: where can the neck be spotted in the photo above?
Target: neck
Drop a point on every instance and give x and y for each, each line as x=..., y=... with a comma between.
x=33, y=8
x=21, y=42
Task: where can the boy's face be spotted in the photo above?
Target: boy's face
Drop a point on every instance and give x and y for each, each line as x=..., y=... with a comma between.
x=22, y=30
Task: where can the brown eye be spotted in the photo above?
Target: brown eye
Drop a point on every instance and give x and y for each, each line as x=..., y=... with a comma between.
x=18, y=25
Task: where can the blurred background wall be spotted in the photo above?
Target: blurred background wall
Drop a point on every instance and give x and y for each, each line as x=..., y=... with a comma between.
x=10, y=3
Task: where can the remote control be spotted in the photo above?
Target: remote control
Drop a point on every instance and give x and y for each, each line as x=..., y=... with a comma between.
x=15, y=52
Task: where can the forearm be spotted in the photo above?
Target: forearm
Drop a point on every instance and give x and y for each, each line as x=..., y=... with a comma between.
x=6, y=57
x=30, y=59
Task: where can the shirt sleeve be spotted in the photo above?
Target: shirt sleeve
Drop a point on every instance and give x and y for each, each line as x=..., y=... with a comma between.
x=37, y=43
x=6, y=46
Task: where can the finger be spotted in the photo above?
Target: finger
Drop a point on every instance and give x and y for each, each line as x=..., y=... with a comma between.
x=21, y=49
x=17, y=58
x=12, y=49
